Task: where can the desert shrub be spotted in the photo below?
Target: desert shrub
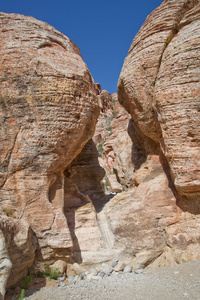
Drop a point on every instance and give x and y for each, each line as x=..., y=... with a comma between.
x=100, y=149
x=54, y=274
x=26, y=281
x=9, y=212
x=21, y=295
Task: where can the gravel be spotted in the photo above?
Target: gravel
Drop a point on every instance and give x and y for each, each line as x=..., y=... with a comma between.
x=166, y=283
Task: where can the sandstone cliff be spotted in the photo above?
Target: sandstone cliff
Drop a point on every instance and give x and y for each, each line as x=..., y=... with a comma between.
x=159, y=86
x=54, y=209
x=49, y=109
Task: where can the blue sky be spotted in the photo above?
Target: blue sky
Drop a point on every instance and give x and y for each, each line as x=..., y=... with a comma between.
x=103, y=30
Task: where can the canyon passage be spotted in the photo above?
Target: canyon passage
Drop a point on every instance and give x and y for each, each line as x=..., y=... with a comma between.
x=87, y=177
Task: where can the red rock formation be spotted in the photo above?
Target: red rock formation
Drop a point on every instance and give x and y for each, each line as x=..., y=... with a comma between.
x=115, y=146
x=49, y=169
x=153, y=230
x=160, y=84
x=49, y=109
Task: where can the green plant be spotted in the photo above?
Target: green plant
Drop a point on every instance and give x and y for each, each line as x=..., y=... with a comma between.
x=168, y=40
x=54, y=274
x=26, y=281
x=114, y=114
x=113, y=100
x=41, y=275
x=21, y=294
x=106, y=181
x=100, y=149
x=9, y=212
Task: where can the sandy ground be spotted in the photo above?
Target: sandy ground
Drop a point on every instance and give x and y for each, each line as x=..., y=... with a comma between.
x=171, y=282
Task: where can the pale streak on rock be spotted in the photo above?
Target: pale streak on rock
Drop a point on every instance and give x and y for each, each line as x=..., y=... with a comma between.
x=5, y=265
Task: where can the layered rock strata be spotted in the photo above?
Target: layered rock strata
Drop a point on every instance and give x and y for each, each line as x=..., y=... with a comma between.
x=115, y=146
x=49, y=109
x=51, y=197
x=160, y=84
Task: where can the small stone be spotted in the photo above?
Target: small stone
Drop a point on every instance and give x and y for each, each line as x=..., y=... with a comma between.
x=96, y=277
x=62, y=284
x=70, y=278
x=102, y=274
x=115, y=273
x=114, y=262
x=139, y=271
x=107, y=269
x=89, y=276
x=119, y=267
x=82, y=276
x=77, y=278
x=93, y=271
x=127, y=269
x=176, y=272
x=61, y=278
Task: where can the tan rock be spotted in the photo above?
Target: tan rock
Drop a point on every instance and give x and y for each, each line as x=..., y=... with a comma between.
x=20, y=243
x=114, y=185
x=151, y=222
x=119, y=267
x=77, y=269
x=48, y=111
x=5, y=266
x=105, y=100
x=177, y=92
x=159, y=86
x=59, y=265
x=115, y=146
x=104, y=119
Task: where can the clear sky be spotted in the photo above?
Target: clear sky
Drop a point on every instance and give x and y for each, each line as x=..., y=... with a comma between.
x=103, y=30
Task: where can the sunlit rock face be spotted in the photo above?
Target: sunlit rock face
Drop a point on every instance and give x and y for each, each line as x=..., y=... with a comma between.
x=49, y=108
x=160, y=84
x=53, y=206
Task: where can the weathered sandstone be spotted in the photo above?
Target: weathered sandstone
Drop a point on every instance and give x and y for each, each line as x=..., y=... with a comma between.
x=160, y=85
x=158, y=228
x=18, y=244
x=53, y=205
x=5, y=265
x=49, y=108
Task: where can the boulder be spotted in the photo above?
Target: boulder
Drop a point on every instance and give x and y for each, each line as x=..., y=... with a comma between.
x=5, y=265
x=159, y=87
x=48, y=112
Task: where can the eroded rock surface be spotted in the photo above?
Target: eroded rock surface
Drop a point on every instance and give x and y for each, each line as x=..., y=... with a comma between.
x=115, y=146
x=51, y=192
x=49, y=108
x=160, y=84
x=5, y=265
x=156, y=229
